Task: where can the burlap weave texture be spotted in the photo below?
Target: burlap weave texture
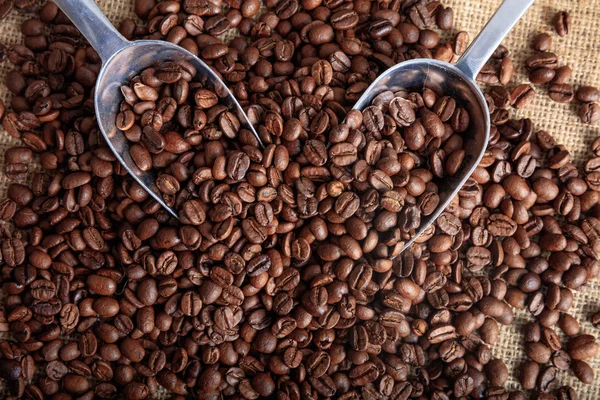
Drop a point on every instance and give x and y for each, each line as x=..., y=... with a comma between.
x=580, y=50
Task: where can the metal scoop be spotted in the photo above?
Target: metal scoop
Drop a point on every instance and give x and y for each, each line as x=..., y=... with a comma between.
x=457, y=81
x=122, y=60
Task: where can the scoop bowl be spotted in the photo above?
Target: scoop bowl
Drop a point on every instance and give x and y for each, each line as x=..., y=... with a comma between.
x=447, y=79
x=119, y=70
x=121, y=61
x=457, y=81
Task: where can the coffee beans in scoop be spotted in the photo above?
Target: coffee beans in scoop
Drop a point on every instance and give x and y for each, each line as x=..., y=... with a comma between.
x=181, y=130
x=412, y=140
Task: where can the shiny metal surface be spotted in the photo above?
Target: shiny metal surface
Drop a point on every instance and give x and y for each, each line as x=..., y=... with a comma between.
x=122, y=60
x=457, y=81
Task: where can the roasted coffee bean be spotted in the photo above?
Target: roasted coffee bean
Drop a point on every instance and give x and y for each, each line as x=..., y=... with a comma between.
x=10, y=369
x=497, y=372
x=561, y=93
x=583, y=371
x=563, y=74
x=501, y=52
x=542, y=60
x=569, y=325
x=529, y=374
x=542, y=42
x=546, y=379
x=542, y=75
x=5, y=8
x=522, y=95
x=506, y=70
x=445, y=18
x=589, y=113
x=582, y=347
x=587, y=94
x=538, y=352
x=562, y=23
x=461, y=42
x=488, y=75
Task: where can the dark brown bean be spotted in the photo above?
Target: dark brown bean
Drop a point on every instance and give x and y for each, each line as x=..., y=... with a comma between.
x=542, y=42
x=562, y=23
x=561, y=93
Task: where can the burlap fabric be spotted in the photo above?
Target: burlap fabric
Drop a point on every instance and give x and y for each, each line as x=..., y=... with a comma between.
x=580, y=50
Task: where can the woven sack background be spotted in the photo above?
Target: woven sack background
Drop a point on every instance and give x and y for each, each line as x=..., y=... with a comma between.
x=580, y=49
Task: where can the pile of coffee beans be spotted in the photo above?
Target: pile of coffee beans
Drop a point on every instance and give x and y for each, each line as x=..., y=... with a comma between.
x=284, y=278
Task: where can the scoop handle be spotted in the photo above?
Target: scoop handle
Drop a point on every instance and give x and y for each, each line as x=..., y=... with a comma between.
x=490, y=37
x=94, y=25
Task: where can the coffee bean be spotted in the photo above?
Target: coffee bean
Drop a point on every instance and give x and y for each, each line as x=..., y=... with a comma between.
x=463, y=385
x=445, y=107
x=421, y=16
x=543, y=59
x=588, y=94
x=373, y=118
x=546, y=379
x=542, y=75
x=488, y=74
x=315, y=152
x=401, y=111
x=318, y=363
x=562, y=23
x=320, y=34
x=542, y=42
x=5, y=8
x=596, y=320
x=501, y=96
x=589, y=113
x=445, y=18
x=582, y=347
x=522, y=95
x=461, y=42
x=10, y=369
x=363, y=374
x=506, y=70
x=497, y=372
x=538, y=352
x=583, y=371
x=529, y=373
x=561, y=93
x=563, y=74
